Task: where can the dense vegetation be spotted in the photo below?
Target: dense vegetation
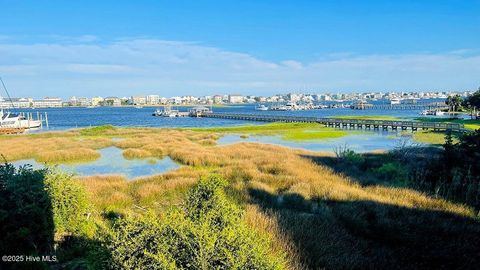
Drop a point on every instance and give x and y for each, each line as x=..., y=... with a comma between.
x=207, y=233
x=276, y=207
x=452, y=173
x=455, y=174
x=472, y=101
x=45, y=212
x=37, y=208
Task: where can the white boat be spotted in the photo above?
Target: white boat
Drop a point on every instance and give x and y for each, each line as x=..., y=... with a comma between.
x=395, y=101
x=432, y=112
x=15, y=120
x=166, y=112
x=11, y=120
x=261, y=108
x=425, y=112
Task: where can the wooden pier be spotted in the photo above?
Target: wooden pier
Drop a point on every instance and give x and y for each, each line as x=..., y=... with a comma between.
x=343, y=123
x=414, y=106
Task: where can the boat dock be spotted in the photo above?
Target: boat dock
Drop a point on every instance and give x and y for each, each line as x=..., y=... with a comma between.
x=343, y=123
x=415, y=106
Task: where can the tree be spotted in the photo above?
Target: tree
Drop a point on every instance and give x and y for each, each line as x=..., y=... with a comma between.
x=473, y=101
x=454, y=102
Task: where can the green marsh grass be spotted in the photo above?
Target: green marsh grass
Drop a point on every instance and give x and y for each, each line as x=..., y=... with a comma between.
x=288, y=131
x=430, y=137
x=472, y=124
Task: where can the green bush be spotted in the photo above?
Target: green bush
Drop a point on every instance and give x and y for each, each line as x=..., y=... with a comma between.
x=38, y=209
x=26, y=223
x=391, y=171
x=207, y=233
x=70, y=206
x=348, y=156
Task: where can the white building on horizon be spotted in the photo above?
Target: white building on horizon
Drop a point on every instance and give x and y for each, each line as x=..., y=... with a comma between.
x=235, y=98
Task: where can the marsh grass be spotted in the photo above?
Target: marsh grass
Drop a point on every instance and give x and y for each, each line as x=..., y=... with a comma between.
x=288, y=131
x=262, y=129
x=96, y=131
x=133, y=153
x=472, y=124
x=310, y=212
x=68, y=156
x=429, y=136
x=64, y=147
x=326, y=133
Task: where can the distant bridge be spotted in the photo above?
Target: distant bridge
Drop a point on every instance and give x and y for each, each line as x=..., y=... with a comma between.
x=342, y=123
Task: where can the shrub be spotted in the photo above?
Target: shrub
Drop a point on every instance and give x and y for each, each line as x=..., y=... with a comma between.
x=26, y=223
x=348, y=155
x=38, y=206
x=207, y=233
x=69, y=203
x=391, y=171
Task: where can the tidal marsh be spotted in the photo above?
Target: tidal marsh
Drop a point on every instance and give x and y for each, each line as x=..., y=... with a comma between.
x=317, y=217
x=288, y=131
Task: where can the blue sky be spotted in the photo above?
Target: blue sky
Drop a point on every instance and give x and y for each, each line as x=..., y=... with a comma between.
x=121, y=48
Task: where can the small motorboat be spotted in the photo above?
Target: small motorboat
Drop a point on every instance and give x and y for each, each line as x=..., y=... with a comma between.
x=261, y=108
x=166, y=112
x=432, y=112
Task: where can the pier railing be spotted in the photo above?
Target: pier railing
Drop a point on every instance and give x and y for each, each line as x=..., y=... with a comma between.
x=335, y=122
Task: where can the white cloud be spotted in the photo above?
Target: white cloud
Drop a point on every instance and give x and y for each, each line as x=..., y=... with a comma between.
x=132, y=66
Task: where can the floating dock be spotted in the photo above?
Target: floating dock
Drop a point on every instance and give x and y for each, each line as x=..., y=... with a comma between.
x=343, y=123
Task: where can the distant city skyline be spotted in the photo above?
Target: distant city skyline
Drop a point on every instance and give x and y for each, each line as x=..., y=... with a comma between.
x=113, y=48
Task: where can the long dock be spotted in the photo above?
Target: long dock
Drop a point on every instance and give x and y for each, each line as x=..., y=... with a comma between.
x=416, y=106
x=343, y=123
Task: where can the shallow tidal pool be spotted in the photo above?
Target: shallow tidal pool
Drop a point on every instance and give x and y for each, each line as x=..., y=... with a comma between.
x=112, y=161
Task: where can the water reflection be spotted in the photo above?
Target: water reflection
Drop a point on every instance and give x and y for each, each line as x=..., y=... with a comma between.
x=113, y=162
x=359, y=142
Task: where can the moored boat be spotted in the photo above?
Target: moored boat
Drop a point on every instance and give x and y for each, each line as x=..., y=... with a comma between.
x=11, y=120
x=261, y=107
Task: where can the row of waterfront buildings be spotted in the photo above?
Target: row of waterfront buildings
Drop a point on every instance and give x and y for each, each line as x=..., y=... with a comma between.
x=156, y=100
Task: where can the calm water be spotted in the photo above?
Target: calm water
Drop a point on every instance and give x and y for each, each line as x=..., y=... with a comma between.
x=360, y=141
x=113, y=162
x=66, y=118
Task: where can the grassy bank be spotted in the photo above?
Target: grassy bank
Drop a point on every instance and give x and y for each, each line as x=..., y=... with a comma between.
x=429, y=137
x=318, y=217
x=469, y=123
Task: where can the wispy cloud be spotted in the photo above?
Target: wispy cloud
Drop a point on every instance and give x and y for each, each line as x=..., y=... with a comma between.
x=84, y=66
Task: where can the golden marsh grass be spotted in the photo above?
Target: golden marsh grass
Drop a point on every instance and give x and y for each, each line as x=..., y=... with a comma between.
x=276, y=173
